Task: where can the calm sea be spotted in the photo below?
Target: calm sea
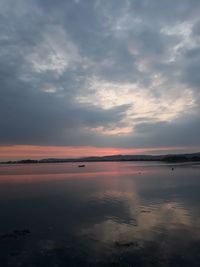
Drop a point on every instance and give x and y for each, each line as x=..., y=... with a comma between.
x=106, y=214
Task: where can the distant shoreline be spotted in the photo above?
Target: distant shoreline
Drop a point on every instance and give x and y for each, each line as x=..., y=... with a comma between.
x=170, y=158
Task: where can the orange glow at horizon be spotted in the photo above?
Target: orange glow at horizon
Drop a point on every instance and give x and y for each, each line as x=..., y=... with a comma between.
x=16, y=152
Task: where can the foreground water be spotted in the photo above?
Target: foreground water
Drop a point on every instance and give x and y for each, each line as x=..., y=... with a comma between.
x=106, y=214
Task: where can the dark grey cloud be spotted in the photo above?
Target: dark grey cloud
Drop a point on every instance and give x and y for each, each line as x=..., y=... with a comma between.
x=196, y=29
x=32, y=116
x=181, y=132
x=190, y=74
x=52, y=52
x=166, y=11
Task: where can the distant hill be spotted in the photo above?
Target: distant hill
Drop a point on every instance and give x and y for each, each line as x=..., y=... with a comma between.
x=192, y=157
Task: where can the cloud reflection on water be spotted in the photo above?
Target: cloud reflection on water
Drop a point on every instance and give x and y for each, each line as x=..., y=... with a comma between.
x=107, y=214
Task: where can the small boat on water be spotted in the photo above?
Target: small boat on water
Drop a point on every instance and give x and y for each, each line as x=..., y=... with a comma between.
x=81, y=166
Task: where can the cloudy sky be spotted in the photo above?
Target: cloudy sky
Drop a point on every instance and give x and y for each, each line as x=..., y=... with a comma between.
x=96, y=77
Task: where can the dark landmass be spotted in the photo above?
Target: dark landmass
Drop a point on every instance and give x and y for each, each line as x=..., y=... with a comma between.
x=170, y=158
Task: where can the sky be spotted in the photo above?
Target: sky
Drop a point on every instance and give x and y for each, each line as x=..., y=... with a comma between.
x=99, y=77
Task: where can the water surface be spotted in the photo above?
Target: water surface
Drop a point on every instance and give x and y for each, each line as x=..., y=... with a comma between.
x=106, y=214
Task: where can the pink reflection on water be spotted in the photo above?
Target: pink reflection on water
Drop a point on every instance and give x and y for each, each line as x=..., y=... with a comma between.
x=46, y=172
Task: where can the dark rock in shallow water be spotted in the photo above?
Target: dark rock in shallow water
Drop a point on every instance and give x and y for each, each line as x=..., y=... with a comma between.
x=22, y=232
x=16, y=234
x=7, y=236
x=126, y=245
x=14, y=253
x=81, y=166
x=145, y=211
x=26, y=231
